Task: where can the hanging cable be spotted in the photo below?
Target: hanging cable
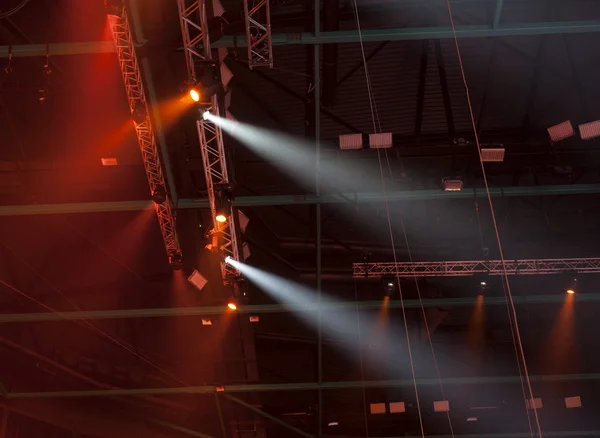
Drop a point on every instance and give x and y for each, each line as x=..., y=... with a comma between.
x=375, y=119
x=14, y=10
x=512, y=310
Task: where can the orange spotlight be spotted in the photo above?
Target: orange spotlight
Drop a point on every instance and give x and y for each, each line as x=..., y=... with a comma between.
x=195, y=95
x=232, y=305
x=221, y=218
x=570, y=291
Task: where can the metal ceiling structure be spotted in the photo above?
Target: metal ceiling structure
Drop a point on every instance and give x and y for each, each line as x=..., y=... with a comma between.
x=153, y=356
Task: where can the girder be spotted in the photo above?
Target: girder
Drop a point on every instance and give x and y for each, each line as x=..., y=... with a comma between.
x=194, y=27
x=258, y=32
x=134, y=87
x=471, y=267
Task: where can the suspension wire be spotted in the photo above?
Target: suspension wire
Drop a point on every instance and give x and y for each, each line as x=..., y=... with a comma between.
x=375, y=116
x=84, y=322
x=362, y=368
x=510, y=303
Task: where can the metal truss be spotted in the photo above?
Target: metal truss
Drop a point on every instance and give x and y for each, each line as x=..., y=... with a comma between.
x=258, y=33
x=471, y=267
x=134, y=87
x=196, y=42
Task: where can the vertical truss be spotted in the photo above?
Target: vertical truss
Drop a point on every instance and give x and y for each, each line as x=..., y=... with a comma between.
x=471, y=267
x=194, y=28
x=134, y=87
x=258, y=33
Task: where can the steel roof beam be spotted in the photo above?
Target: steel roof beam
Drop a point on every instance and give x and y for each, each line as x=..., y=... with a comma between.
x=308, y=386
x=557, y=298
x=281, y=200
x=369, y=35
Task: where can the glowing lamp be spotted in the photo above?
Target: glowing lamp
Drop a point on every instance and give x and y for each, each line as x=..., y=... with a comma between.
x=206, y=115
x=221, y=218
x=195, y=95
x=570, y=291
x=232, y=305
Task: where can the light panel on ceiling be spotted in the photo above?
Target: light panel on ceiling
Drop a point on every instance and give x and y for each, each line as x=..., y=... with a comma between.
x=561, y=131
x=351, y=141
x=590, y=130
x=380, y=141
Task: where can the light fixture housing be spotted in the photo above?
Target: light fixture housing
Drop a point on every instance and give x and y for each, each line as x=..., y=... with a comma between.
x=114, y=8
x=205, y=115
x=139, y=112
x=223, y=198
x=176, y=261
x=159, y=195
x=195, y=94
x=452, y=184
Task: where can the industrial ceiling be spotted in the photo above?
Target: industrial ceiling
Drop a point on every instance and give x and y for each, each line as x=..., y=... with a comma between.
x=99, y=337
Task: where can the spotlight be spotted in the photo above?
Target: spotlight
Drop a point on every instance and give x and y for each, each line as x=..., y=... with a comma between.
x=195, y=95
x=139, y=112
x=232, y=304
x=205, y=115
x=114, y=8
x=228, y=259
x=571, y=283
x=159, y=195
x=176, y=261
x=223, y=198
x=389, y=286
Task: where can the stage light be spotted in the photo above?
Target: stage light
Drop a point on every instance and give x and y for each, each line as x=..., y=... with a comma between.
x=482, y=283
x=223, y=198
x=159, y=195
x=114, y=8
x=389, y=287
x=561, y=131
x=205, y=115
x=232, y=305
x=570, y=291
x=139, y=112
x=228, y=259
x=195, y=95
x=176, y=261
x=197, y=280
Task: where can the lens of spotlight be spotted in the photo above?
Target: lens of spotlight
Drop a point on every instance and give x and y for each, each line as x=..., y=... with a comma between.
x=206, y=115
x=221, y=218
x=232, y=305
x=570, y=291
x=227, y=259
x=195, y=95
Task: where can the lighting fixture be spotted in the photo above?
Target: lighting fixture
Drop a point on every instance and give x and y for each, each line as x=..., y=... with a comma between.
x=380, y=141
x=351, y=141
x=139, y=112
x=205, y=115
x=232, y=305
x=223, y=196
x=389, y=286
x=570, y=291
x=194, y=94
x=571, y=283
x=114, y=8
x=159, y=195
x=228, y=259
x=110, y=161
x=254, y=318
x=176, y=261
x=206, y=321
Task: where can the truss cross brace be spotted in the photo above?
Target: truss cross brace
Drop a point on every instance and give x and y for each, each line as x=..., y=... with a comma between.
x=134, y=87
x=472, y=267
x=194, y=28
x=258, y=33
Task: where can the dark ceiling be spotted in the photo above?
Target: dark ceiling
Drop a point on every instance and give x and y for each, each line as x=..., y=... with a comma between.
x=98, y=259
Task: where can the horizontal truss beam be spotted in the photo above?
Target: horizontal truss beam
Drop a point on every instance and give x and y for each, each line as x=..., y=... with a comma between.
x=274, y=200
x=373, y=35
x=278, y=308
x=464, y=268
x=310, y=386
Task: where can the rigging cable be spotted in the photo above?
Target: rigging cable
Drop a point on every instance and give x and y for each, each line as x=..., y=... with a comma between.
x=373, y=115
x=512, y=310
